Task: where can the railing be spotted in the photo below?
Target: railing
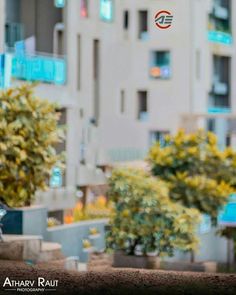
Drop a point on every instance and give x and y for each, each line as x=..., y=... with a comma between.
x=220, y=37
x=219, y=110
x=126, y=154
x=39, y=67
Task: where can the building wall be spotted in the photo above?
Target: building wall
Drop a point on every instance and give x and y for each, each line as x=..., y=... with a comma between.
x=2, y=25
x=39, y=19
x=124, y=65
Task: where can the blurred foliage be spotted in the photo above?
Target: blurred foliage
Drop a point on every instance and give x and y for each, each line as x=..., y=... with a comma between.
x=145, y=216
x=52, y=221
x=98, y=209
x=28, y=133
x=199, y=174
x=86, y=244
x=93, y=231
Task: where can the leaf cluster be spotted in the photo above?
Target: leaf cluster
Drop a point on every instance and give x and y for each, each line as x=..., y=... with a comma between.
x=28, y=135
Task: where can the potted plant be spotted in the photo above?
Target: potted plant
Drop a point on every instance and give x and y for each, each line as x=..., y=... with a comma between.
x=94, y=233
x=87, y=246
x=29, y=133
x=146, y=224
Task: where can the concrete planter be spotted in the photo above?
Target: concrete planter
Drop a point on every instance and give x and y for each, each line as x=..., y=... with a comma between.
x=130, y=261
x=25, y=221
x=205, y=266
x=71, y=237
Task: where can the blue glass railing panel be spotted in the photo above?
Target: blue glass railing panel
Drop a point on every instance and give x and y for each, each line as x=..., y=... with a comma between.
x=220, y=37
x=219, y=110
x=39, y=68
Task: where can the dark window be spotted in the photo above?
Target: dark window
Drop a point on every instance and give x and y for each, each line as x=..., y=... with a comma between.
x=96, y=77
x=78, y=62
x=198, y=64
x=143, y=24
x=211, y=125
x=126, y=20
x=122, y=101
x=220, y=95
x=158, y=136
x=220, y=18
x=142, y=105
x=160, y=65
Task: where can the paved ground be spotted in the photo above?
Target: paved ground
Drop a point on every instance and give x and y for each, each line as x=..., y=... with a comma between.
x=123, y=281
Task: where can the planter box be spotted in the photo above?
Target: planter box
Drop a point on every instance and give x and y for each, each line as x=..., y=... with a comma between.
x=25, y=221
x=205, y=266
x=130, y=261
x=71, y=237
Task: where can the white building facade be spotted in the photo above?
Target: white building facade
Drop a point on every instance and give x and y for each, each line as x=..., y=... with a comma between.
x=121, y=81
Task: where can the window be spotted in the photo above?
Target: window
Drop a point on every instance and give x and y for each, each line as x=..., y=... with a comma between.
x=160, y=65
x=58, y=40
x=142, y=106
x=96, y=81
x=220, y=95
x=122, y=101
x=58, y=178
x=106, y=10
x=126, y=20
x=84, y=8
x=78, y=62
x=220, y=18
x=158, y=136
x=143, y=24
x=59, y=3
x=198, y=64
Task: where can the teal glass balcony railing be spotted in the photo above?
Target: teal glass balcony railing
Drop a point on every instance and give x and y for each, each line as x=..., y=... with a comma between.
x=47, y=69
x=220, y=37
x=219, y=110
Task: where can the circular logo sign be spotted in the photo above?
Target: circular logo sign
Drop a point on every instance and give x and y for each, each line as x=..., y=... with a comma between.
x=163, y=19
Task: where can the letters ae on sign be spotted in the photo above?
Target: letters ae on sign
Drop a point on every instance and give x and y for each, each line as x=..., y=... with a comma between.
x=163, y=19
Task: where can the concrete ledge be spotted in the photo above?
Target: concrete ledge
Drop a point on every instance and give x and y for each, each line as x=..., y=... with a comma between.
x=20, y=247
x=205, y=266
x=120, y=260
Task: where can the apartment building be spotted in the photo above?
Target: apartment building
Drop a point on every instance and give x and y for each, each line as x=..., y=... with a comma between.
x=136, y=82
x=121, y=82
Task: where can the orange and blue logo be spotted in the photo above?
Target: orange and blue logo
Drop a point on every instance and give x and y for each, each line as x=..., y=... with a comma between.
x=163, y=19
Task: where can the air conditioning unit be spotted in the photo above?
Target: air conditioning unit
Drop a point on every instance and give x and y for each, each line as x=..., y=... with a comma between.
x=143, y=116
x=220, y=12
x=220, y=88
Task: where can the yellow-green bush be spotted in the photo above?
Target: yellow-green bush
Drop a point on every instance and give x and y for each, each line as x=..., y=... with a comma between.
x=198, y=173
x=144, y=215
x=28, y=134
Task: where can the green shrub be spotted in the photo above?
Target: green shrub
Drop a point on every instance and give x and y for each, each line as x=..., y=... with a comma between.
x=199, y=174
x=28, y=132
x=144, y=215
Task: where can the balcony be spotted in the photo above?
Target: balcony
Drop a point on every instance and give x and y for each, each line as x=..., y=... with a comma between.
x=39, y=67
x=219, y=110
x=220, y=37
